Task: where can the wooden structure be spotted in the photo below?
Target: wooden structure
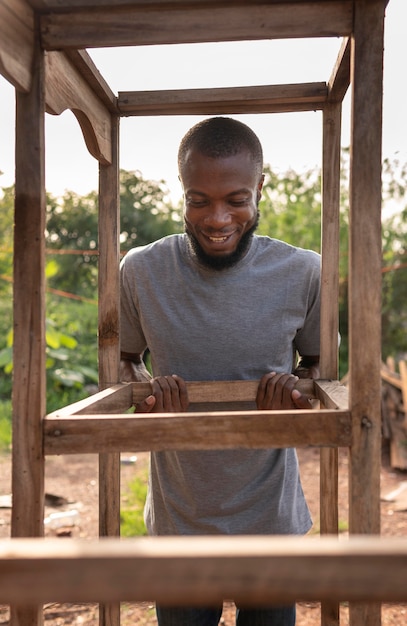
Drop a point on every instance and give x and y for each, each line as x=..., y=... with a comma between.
x=42, y=54
x=394, y=411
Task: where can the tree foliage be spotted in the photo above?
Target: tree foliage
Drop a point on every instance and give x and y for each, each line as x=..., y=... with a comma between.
x=394, y=283
x=72, y=229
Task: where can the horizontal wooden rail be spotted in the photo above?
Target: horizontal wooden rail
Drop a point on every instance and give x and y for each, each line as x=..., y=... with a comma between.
x=115, y=399
x=258, y=99
x=255, y=571
x=188, y=21
x=196, y=431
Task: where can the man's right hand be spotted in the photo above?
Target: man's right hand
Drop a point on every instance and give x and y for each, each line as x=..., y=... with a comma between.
x=168, y=395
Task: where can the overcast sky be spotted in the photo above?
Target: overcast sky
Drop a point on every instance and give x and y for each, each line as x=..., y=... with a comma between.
x=150, y=144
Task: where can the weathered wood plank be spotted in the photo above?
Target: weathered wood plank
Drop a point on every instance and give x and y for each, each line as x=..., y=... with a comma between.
x=109, y=348
x=29, y=309
x=365, y=259
x=116, y=399
x=403, y=379
x=332, y=394
x=81, y=60
x=29, y=377
x=67, y=5
x=307, y=96
x=255, y=571
x=16, y=43
x=196, y=431
x=66, y=88
x=340, y=78
x=331, y=153
x=133, y=25
x=365, y=279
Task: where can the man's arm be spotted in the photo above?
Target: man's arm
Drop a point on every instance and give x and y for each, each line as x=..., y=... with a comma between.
x=308, y=367
x=133, y=369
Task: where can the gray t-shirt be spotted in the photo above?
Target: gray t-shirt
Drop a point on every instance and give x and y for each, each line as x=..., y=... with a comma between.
x=234, y=324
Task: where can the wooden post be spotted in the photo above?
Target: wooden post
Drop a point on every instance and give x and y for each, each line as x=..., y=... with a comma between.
x=331, y=154
x=29, y=321
x=365, y=279
x=109, y=349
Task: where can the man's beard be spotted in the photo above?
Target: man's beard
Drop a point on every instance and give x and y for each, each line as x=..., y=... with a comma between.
x=222, y=262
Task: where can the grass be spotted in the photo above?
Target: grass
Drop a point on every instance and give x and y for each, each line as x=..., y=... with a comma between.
x=132, y=514
x=5, y=425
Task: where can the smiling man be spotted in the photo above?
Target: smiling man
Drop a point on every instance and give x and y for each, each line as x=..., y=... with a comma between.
x=222, y=303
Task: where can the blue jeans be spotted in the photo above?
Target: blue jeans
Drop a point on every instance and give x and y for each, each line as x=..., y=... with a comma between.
x=275, y=616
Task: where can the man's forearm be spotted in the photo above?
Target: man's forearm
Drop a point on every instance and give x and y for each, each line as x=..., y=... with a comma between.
x=133, y=369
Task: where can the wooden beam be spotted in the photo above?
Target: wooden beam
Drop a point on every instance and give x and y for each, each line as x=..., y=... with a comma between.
x=333, y=393
x=255, y=571
x=29, y=309
x=115, y=399
x=16, y=43
x=196, y=431
x=109, y=349
x=164, y=23
x=259, y=99
x=67, y=89
x=340, y=78
x=365, y=259
x=81, y=60
x=29, y=375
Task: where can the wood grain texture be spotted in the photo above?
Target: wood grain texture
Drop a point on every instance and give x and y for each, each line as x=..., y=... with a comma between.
x=196, y=431
x=255, y=571
x=16, y=43
x=66, y=88
x=259, y=99
x=161, y=23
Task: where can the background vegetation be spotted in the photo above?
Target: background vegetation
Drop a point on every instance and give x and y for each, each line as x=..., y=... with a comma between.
x=290, y=210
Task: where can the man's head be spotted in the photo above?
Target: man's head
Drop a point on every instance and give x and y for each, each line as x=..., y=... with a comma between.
x=220, y=164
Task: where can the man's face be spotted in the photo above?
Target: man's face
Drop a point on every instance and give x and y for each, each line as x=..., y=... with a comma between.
x=220, y=203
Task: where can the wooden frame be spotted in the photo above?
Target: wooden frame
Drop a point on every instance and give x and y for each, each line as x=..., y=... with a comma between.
x=255, y=570
x=40, y=55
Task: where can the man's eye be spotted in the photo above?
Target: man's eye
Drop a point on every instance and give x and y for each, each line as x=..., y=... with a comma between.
x=237, y=203
x=196, y=204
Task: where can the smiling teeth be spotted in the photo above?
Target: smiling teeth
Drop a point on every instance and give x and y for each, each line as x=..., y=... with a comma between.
x=217, y=239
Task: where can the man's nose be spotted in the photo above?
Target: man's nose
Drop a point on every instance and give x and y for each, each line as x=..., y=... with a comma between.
x=218, y=216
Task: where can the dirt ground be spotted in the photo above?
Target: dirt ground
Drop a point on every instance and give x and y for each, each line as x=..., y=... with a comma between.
x=74, y=478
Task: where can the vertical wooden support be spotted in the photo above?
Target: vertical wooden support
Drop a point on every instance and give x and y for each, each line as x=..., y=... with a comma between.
x=365, y=279
x=29, y=321
x=109, y=349
x=331, y=156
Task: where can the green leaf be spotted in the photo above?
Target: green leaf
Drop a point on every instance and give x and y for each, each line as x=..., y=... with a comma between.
x=68, y=378
x=6, y=356
x=51, y=269
x=52, y=337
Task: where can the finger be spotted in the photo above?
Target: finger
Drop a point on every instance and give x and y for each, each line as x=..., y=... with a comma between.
x=275, y=392
x=146, y=406
x=162, y=392
x=300, y=401
x=167, y=393
x=280, y=392
x=262, y=390
x=183, y=392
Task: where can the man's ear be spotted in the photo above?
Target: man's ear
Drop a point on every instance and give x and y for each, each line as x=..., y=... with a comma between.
x=260, y=187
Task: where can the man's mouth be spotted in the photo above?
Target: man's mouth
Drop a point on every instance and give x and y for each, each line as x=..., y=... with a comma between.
x=218, y=239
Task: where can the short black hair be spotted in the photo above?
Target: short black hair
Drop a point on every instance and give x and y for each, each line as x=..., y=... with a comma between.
x=220, y=137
